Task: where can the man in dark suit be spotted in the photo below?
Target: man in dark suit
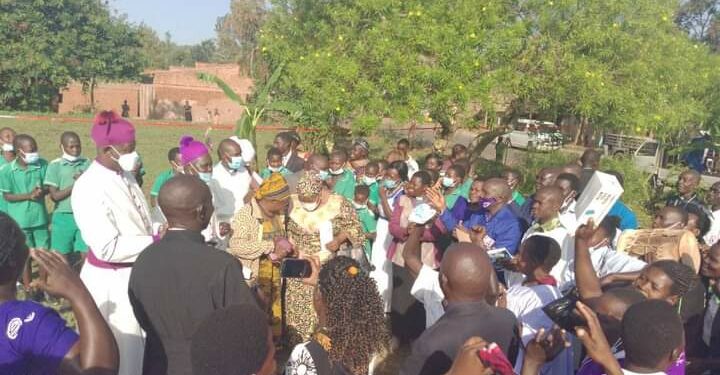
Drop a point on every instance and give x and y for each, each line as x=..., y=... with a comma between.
x=465, y=282
x=590, y=161
x=287, y=143
x=179, y=280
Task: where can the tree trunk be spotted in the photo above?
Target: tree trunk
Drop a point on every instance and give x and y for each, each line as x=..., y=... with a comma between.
x=579, y=133
x=92, y=95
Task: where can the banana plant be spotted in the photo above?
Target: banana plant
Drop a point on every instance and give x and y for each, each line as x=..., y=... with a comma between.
x=256, y=105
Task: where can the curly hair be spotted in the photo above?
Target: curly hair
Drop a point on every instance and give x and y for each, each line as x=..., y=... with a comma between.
x=355, y=317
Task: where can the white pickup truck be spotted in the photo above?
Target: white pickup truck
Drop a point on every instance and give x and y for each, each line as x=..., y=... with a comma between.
x=646, y=152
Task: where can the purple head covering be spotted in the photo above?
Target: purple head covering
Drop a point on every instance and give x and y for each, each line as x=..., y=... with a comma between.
x=191, y=150
x=109, y=129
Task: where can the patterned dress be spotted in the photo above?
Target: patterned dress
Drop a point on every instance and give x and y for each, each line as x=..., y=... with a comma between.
x=303, y=230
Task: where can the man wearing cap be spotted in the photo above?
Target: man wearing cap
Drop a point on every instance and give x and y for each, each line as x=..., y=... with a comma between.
x=359, y=157
x=196, y=160
x=114, y=219
x=232, y=179
x=258, y=241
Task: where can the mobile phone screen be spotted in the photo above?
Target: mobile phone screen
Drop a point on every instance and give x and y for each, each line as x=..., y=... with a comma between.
x=295, y=268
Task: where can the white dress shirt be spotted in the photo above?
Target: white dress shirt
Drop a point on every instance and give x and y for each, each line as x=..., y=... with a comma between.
x=713, y=235
x=229, y=191
x=426, y=289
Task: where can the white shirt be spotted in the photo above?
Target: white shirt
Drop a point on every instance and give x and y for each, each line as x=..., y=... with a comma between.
x=526, y=302
x=412, y=166
x=229, y=191
x=286, y=158
x=112, y=214
x=567, y=253
x=426, y=289
x=605, y=260
x=568, y=217
x=713, y=235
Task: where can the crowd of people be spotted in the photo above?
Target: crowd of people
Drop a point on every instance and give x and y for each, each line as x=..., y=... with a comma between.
x=466, y=271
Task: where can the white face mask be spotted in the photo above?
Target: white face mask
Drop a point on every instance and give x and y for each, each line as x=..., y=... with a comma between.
x=336, y=172
x=369, y=180
x=7, y=147
x=359, y=206
x=274, y=169
x=67, y=156
x=310, y=207
x=127, y=162
x=31, y=157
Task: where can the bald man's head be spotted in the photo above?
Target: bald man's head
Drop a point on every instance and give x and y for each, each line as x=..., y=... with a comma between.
x=547, y=203
x=572, y=169
x=591, y=159
x=670, y=218
x=465, y=273
x=688, y=182
x=186, y=202
x=497, y=188
x=228, y=149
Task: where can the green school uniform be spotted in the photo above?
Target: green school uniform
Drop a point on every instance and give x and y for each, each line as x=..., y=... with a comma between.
x=518, y=198
x=374, y=196
x=161, y=179
x=3, y=202
x=31, y=216
x=369, y=224
x=345, y=185
x=461, y=191
x=266, y=173
x=66, y=236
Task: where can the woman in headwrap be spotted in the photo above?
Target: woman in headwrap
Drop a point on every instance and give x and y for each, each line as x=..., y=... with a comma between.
x=319, y=224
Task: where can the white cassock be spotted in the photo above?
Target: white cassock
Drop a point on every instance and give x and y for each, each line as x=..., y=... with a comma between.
x=114, y=220
x=229, y=191
x=382, y=273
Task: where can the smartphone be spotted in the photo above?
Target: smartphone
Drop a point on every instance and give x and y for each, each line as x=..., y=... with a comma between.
x=295, y=268
x=562, y=312
x=499, y=255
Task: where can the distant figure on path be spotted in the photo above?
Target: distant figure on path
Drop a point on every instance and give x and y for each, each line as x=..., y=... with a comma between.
x=216, y=117
x=125, y=109
x=188, y=111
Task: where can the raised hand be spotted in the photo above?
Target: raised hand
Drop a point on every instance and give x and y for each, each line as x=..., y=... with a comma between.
x=56, y=276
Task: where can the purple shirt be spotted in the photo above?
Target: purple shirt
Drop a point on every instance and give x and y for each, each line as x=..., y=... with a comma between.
x=35, y=338
x=590, y=367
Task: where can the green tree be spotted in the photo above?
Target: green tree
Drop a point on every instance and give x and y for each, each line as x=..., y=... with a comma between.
x=46, y=44
x=238, y=33
x=618, y=64
x=359, y=62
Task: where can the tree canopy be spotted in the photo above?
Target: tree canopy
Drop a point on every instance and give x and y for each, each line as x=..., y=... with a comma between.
x=48, y=43
x=622, y=64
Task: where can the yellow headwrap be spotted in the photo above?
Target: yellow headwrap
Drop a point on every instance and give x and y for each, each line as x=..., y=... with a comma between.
x=274, y=187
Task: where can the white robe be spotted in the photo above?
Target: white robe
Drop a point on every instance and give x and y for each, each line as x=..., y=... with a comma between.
x=115, y=222
x=382, y=273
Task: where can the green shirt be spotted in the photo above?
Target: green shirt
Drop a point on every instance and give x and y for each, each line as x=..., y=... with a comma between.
x=369, y=224
x=61, y=175
x=3, y=202
x=15, y=180
x=518, y=198
x=161, y=179
x=266, y=173
x=345, y=185
x=374, y=196
x=461, y=191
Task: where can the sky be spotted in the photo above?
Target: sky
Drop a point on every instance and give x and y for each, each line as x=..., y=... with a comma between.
x=188, y=21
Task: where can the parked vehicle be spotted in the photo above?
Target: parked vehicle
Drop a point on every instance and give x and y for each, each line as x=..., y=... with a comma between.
x=535, y=135
x=646, y=152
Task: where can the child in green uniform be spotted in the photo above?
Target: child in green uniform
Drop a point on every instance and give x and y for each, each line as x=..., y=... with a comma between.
x=175, y=168
x=455, y=185
x=367, y=218
x=21, y=183
x=60, y=179
x=342, y=179
x=7, y=152
x=274, y=164
x=370, y=179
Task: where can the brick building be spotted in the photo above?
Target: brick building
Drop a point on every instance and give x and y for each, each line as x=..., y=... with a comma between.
x=165, y=95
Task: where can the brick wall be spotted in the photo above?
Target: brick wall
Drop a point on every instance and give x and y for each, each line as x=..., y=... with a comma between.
x=166, y=96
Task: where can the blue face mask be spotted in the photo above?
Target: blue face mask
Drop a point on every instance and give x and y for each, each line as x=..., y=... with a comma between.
x=205, y=176
x=390, y=184
x=324, y=175
x=236, y=163
x=31, y=157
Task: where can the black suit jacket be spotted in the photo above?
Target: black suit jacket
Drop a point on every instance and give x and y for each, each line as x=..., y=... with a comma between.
x=433, y=353
x=175, y=283
x=295, y=164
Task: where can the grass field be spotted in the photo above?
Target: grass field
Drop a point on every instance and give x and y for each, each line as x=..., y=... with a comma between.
x=153, y=142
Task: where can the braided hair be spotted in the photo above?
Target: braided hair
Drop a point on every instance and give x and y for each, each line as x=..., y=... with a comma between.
x=684, y=278
x=13, y=250
x=355, y=316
